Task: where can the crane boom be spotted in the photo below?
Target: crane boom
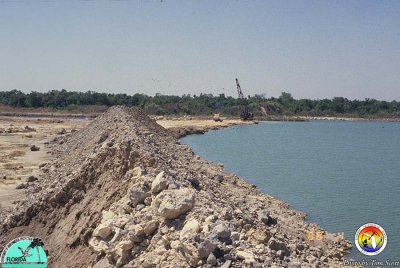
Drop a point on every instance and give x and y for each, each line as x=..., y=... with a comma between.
x=245, y=114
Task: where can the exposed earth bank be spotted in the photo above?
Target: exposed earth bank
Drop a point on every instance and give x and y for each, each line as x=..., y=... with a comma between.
x=123, y=192
x=184, y=126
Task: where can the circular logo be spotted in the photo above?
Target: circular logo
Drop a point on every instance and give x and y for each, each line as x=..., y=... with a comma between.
x=24, y=252
x=370, y=239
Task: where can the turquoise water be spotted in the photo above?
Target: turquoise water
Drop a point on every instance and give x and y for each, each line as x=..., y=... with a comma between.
x=342, y=174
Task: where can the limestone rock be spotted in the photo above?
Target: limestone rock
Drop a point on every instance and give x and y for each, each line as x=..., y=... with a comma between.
x=102, y=231
x=248, y=257
x=98, y=246
x=175, y=244
x=258, y=236
x=160, y=183
x=150, y=227
x=209, y=219
x=275, y=244
x=227, y=264
x=61, y=131
x=235, y=236
x=107, y=216
x=205, y=248
x=138, y=194
x=121, y=221
x=190, y=254
x=266, y=218
x=222, y=231
x=212, y=260
x=103, y=263
x=170, y=204
x=121, y=252
x=191, y=228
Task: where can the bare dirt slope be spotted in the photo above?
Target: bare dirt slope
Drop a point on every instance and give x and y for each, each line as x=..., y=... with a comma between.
x=122, y=192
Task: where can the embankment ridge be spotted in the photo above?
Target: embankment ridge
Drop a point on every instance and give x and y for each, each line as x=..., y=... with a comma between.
x=123, y=192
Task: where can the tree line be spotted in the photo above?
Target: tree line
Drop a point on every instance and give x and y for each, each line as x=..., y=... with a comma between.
x=203, y=104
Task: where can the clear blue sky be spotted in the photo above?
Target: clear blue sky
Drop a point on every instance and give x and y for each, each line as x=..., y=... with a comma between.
x=312, y=49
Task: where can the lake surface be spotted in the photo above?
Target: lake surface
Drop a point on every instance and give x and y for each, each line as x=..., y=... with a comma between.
x=342, y=174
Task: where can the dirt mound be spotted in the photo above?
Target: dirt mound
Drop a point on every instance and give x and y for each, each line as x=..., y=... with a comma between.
x=124, y=192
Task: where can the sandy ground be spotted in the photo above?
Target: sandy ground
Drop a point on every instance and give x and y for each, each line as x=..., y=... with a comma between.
x=199, y=123
x=17, y=161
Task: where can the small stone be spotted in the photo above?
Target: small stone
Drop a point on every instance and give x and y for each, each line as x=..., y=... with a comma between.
x=205, y=248
x=28, y=129
x=31, y=179
x=107, y=216
x=222, y=231
x=258, y=236
x=121, y=221
x=212, y=260
x=61, y=131
x=102, y=263
x=275, y=244
x=190, y=229
x=147, y=201
x=226, y=214
x=209, y=219
x=175, y=244
x=34, y=148
x=140, y=207
x=300, y=247
x=172, y=186
x=295, y=265
x=195, y=183
x=97, y=245
x=122, y=251
x=235, y=236
x=159, y=183
x=102, y=231
x=227, y=264
x=20, y=186
x=266, y=218
x=151, y=227
x=248, y=257
x=138, y=194
x=136, y=229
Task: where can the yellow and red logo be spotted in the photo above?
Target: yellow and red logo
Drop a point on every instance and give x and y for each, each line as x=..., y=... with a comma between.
x=370, y=239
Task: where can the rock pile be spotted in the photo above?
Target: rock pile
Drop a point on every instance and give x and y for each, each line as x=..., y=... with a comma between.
x=123, y=192
x=13, y=129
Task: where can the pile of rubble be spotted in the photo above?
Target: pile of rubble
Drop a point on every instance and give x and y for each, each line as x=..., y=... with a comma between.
x=123, y=192
x=13, y=129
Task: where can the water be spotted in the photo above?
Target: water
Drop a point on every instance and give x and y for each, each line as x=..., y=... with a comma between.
x=342, y=174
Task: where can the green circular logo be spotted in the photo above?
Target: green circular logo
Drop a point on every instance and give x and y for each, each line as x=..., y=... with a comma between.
x=24, y=252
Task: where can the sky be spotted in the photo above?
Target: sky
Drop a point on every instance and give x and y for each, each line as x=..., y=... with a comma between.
x=311, y=49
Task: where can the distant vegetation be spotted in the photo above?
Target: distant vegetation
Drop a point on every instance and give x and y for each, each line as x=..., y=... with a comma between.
x=203, y=104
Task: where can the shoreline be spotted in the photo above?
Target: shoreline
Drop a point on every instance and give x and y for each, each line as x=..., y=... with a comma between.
x=91, y=114
x=182, y=127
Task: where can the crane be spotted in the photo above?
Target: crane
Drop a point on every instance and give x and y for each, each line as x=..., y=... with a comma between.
x=245, y=114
